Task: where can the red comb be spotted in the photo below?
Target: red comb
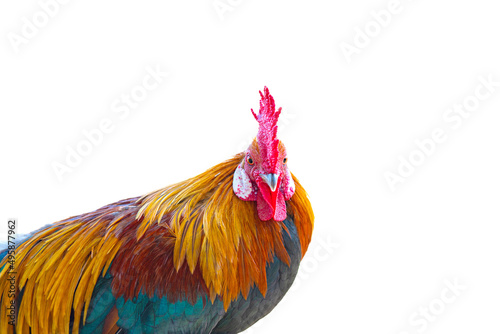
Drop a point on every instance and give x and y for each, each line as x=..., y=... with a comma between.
x=268, y=129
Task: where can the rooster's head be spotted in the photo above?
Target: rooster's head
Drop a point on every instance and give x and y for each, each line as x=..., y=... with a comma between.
x=263, y=174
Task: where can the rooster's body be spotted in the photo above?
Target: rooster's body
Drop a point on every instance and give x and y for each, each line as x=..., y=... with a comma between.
x=212, y=254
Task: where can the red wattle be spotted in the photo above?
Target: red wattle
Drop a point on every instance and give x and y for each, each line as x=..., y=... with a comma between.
x=270, y=205
x=280, y=212
x=264, y=210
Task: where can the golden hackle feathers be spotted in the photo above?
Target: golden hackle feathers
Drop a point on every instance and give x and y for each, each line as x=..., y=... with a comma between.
x=235, y=244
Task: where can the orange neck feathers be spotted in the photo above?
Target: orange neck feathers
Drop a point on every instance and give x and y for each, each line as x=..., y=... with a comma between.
x=220, y=233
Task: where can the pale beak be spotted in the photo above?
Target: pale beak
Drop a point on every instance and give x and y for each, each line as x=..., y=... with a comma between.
x=271, y=180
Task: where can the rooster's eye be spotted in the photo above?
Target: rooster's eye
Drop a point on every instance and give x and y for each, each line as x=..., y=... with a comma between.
x=285, y=161
x=250, y=160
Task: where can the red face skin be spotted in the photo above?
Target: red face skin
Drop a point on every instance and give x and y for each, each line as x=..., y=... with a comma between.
x=270, y=204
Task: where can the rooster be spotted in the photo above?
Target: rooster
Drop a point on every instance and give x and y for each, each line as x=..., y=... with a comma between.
x=211, y=254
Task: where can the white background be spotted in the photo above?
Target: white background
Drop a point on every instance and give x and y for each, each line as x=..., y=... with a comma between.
x=377, y=256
